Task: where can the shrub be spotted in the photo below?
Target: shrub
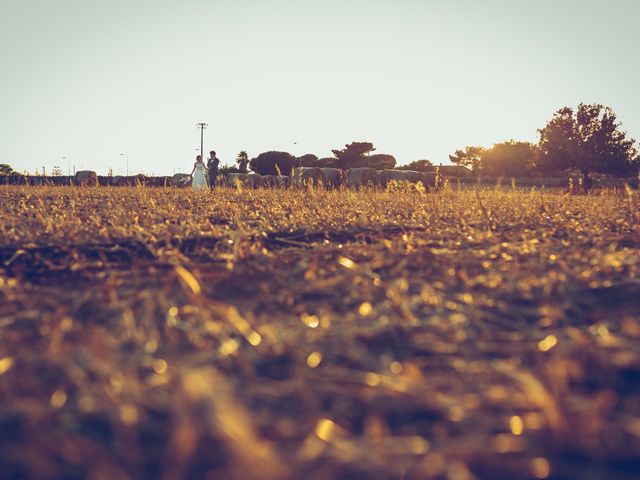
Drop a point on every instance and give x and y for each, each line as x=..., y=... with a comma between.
x=265, y=163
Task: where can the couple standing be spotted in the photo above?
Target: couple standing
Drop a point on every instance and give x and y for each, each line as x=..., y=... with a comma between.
x=199, y=172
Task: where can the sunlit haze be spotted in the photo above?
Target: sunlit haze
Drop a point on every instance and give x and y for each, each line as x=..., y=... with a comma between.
x=103, y=83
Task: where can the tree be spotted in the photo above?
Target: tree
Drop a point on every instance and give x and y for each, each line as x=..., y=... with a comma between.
x=509, y=159
x=266, y=162
x=381, y=161
x=469, y=157
x=56, y=171
x=326, y=162
x=5, y=169
x=307, y=160
x=242, y=160
x=419, y=166
x=353, y=155
x=226, y=169
x=588, y=139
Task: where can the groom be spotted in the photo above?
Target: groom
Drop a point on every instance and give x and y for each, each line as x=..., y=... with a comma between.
x=213, y=164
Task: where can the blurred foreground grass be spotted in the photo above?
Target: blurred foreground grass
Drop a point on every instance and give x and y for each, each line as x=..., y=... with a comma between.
x=151, y=333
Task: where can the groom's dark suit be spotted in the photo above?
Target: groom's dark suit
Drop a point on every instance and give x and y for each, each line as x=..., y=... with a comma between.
x=212, y=165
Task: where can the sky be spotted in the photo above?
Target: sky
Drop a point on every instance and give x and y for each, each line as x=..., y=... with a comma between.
x=104, y=84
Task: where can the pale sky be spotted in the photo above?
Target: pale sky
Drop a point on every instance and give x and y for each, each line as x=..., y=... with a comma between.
x=102, y=82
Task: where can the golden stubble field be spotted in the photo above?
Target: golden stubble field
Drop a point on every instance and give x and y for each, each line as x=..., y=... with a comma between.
x=259, y=334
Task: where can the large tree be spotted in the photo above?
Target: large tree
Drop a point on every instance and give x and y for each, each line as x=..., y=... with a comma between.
x=273, y=163
x=509, y=159
x=326, y=162
x=419, y=166
x=307, y=160
x=470, y=157
x=588, y=139
x=381, y=161
x=353, y=155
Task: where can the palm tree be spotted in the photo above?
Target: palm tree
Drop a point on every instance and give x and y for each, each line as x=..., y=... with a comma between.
x=242, y=160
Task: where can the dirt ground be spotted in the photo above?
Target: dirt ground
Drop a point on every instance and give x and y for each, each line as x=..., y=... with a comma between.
x=159, y=333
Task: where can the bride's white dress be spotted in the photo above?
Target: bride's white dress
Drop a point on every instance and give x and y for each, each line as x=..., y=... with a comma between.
x=199, y=181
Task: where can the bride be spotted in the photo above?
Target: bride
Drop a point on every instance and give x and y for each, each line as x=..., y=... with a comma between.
x=198, y=175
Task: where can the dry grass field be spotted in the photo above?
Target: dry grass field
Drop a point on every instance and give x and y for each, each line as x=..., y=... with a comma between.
x=282, y=334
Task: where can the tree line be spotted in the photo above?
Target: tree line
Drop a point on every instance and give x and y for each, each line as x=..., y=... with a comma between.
x=588, y=139
x=353, y=155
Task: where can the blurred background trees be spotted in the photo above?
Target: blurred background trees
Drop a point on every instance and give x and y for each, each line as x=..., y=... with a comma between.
x=588, y=139
x=5, y=169
x=358, y=154
x=509, y=159
x=273, y=163
x=307, y=160
x=353, y=155
x=583, y=140
x=419, y=166
x=242, y=160
x=506, y=159
x=470, y=157
x=381, y=161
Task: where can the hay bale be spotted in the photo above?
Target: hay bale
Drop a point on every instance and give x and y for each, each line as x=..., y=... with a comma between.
x=281, y=181
x=18, y=179
x=61, y=180
x=118, y=181
x=268, y=181
x=130, y=181
x=158, y=181
x=389, y=175
x=306, y=176
x=253, y=180
x=362, y=177
x=140, y=180
x=235, y=179
x=333, y=177
x=221, y=180
x=415, y=177
x=181, y=180
x=104, y=181
x=38, y=180
x=86, y=178
x=429, y=180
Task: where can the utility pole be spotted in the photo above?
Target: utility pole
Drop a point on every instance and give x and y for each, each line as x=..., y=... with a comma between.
x=201, y=126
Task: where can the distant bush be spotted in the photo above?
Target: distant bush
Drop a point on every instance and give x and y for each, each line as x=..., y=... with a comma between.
x=308, y=160
x=381, y=161
x=509, y=159
x=419, y=166
x=326, y=162
x=265, y=163
x=226, y=170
